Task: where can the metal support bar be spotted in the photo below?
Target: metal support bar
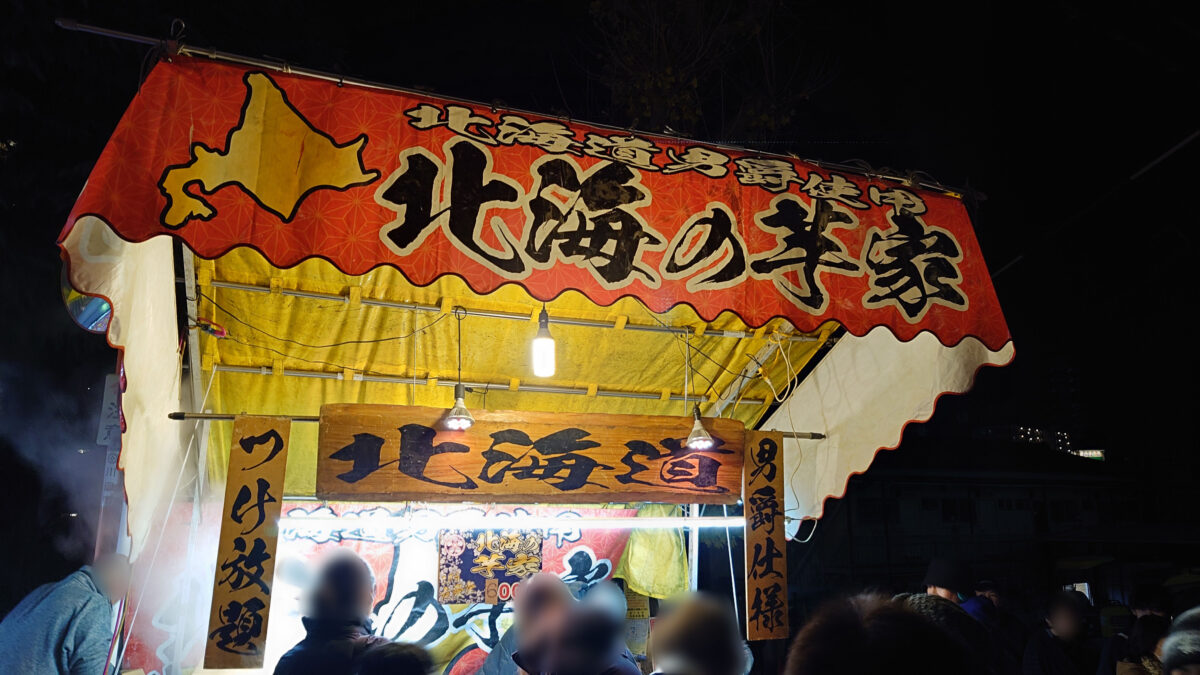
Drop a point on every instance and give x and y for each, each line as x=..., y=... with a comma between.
x=694, y=550
x=222, y=417
x=479, y=386
x=494, y=314
x=319, y=374
x=747, y=375
x=226, y=417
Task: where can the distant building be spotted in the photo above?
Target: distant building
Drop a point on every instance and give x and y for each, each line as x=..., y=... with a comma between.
x=1055, y=439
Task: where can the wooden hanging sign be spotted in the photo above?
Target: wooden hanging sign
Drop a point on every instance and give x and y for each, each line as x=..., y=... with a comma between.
x=241, y=604
x=766, y=543
x=394, y=453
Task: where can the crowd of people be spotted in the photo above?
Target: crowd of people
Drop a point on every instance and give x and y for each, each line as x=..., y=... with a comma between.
x=960, y=626
x=955, y=627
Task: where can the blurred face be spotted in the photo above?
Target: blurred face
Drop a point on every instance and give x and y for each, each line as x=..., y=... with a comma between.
x=114, y=577
x=942, y=593
x=366, y=599
x=1065, y=623
x=539, y=633
x=991, y=595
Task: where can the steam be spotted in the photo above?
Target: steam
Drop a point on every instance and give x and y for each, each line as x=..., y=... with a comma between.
x=52, y=426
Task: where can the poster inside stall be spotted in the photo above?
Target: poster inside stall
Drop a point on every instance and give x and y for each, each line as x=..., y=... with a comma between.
x=408, y=564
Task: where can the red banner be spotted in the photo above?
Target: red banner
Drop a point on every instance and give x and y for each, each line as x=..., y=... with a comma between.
x=225, y=156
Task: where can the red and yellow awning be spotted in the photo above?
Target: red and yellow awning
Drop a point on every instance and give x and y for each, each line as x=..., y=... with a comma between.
x=337, y=228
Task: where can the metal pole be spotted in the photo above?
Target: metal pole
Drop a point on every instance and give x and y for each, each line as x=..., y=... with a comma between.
x=531, y=388
x=732, y=578
x=229, y=417
x=694, y=552
x=493, y=314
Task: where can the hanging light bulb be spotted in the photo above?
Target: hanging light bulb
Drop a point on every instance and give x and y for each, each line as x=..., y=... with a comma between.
x=543, y=347
x=699, y=439
x=459, y=418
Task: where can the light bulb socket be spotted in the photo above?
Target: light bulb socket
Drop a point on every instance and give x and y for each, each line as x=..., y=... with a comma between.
x=543, y=347
x=543, y=330
x=458, y=418
x=699, y=439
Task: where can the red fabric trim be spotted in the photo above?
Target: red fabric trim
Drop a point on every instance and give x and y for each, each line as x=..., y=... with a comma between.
x=189, y=106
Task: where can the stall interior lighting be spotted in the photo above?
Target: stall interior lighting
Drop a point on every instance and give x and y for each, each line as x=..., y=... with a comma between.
x=471, y=521
x=459, y=418
x=699, y=439
x=543, y=347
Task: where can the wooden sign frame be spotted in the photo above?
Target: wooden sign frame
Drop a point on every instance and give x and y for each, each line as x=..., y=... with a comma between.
x=397, y=453
x=241, y=603
x=766, y=540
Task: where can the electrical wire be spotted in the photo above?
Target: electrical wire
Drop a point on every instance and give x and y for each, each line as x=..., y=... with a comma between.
x=343, y=343
x=460, y=314
x=676, y=335
x=337, y=366
x=811, y=532
x=711, y=383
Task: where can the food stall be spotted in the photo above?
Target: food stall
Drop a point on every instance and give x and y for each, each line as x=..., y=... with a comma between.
x=472, y=342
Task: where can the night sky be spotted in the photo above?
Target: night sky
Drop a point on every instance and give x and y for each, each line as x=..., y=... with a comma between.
x=1056, y=114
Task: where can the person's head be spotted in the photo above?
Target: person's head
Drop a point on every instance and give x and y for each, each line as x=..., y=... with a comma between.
x=586, y=641
x=1181, y=649
x=609, y=597
x=1147, y=635
x=1181, y=653
x=112, y=571
x=345, y=588
x=870, y=634
x=698, y=636
x=1189, y=620
x=989, y=590
x=1149, y=600
x=1064, y=616
x=952, y=619
x=539, y=612
x=948, y=579
x=396, y=658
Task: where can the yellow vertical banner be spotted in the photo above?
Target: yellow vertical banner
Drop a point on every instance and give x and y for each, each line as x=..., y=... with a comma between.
x=766, y=546
x=241, y=604
x=637, y=626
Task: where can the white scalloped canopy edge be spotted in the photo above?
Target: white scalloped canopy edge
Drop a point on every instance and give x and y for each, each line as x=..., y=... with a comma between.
x=861, y=396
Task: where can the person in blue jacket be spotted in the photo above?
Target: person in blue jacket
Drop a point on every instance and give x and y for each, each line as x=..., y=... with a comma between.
x=66, y=627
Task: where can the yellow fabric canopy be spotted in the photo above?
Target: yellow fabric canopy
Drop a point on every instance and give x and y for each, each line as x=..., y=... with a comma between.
x=318, y=336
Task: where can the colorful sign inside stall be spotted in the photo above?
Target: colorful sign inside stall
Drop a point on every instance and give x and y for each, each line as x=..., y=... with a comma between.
x=486, y=565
